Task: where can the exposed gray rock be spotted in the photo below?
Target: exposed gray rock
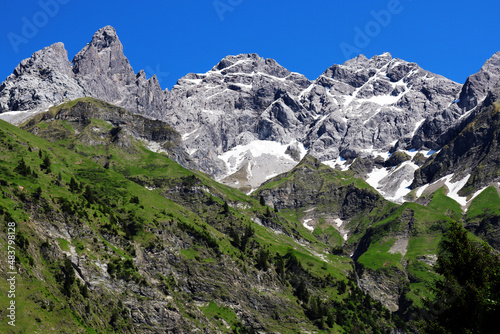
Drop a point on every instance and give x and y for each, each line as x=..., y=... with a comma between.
x=105, y=73
x=474, y=151
x=438, y=130
x=382, y=103
x=99, y=70
x=478, y=85
x=39, y=82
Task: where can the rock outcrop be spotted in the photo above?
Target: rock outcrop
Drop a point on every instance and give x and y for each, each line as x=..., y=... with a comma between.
x=246, y=101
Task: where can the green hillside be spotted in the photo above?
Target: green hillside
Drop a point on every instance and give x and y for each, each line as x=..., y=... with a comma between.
x=112, y=237
x=101, y=241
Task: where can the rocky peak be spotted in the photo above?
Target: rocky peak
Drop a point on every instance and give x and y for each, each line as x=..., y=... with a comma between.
x=477, y=85
x=106, y=38
x=38, y=82
x=250, y=64
x=99, y=70
x=53, y=58
x=101, y=66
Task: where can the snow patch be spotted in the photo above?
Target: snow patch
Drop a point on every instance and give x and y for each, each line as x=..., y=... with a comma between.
x=339, y=162
x=419, y=123
x=421, y=190
x=474, y=196
x=382, y=100
x=187, y=135
x=380, y=179
x=235, y=157
x=310, y=228
x=376, y=176
x=454, y=188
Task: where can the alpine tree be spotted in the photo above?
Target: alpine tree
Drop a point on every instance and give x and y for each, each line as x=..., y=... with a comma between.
x=467, y=296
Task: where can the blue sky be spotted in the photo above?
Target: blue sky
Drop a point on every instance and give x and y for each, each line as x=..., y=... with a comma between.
x=173, y=38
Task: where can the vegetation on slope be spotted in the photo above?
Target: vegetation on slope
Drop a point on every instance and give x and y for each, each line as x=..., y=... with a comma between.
x=102, y=253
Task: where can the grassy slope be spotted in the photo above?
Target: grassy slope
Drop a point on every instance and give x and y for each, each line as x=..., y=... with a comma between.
x=114, y=192
x=386, y=223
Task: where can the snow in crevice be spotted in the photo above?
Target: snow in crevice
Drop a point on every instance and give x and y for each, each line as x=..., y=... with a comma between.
x=338, y=163
x=421, y=190
x=474, y=196
x=380, y=99
x=262, y=159
x=235, y=157
x=192, y=81
x=393, y=183
x=306, y=91
x=309, y=227
x=377, y=174
x=187, y=135
x=454, y=188
x=232, y=65
x=417, y=126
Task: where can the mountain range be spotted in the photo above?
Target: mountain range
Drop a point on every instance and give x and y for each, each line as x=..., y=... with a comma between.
x=248, y=167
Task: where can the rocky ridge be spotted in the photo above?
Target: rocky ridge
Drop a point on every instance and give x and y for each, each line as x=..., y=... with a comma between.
x=99, y=70
x=229, y=116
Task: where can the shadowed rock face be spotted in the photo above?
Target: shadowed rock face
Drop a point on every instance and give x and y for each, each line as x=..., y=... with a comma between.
x=100, y=70
x=440, y=129
x=380, y=103
x=474, y=151
x=41, y=81
x=478, y=85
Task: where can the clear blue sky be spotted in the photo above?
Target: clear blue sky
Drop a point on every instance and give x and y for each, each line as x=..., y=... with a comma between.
x=173, y=38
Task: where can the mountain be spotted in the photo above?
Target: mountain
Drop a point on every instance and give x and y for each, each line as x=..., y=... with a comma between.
x=99, y=70
x=247, y=110
x=135, y=243
x=471, y=158
x=245, y=199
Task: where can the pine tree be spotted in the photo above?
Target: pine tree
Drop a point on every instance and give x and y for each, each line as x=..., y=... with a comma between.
x=38, y=193
x=301, y=291
x=46, y=163
x=73, y=185
x=69, y=277
x=262, y=201
x=225, y=208
x=268, y=212
x=468, y=294
x=22, y=168
x=262, y=260
x=88, y=195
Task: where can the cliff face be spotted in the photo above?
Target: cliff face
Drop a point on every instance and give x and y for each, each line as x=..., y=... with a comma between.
x=99, y=70
x=122, y=127
x=473, y=153
x=139, y=244
x=245, y=101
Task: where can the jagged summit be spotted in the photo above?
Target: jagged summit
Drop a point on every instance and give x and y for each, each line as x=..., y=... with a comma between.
x=228, y=115
x=249, y=64
x=104, y=38
x=38, y=82
x=477, y=85
x=362, y=61
x=99, y=70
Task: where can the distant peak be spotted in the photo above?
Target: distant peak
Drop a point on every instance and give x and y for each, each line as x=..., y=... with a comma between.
x=249, y=63
x=231, y=60
x=107, y=30
x=383, y=56
x=105, y=37
x=361, y=59
x=494, y=61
